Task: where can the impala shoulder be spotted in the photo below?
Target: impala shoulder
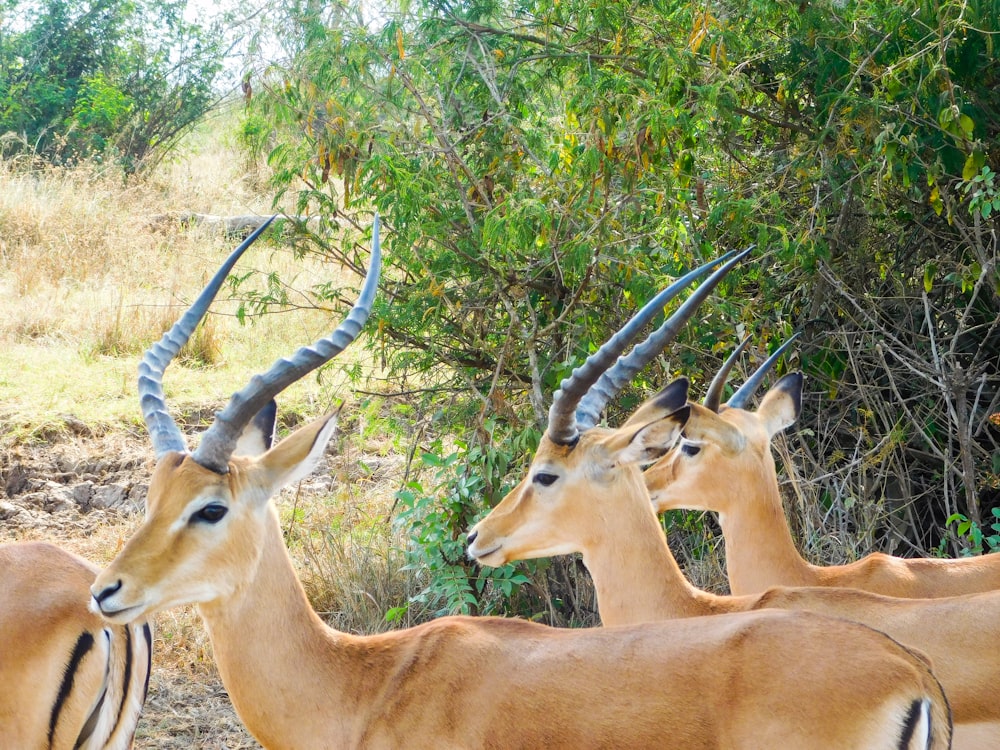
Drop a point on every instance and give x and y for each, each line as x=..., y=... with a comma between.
x=48, y=580
x=880, y=572
x=468, y=628
x=882, y=561
x=814, y=599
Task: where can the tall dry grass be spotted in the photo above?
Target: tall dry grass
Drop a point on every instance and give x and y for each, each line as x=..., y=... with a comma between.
x=84, y=259
x=92, y=272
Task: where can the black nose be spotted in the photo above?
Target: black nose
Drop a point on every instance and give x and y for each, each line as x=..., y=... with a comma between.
x=108, y=591
x=471, y=537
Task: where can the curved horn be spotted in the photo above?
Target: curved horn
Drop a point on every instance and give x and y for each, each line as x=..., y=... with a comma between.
x=219, y=440
x=163, y=431
x=713, y=397
x=562, y=427
x=739, y=399
x=613, y=380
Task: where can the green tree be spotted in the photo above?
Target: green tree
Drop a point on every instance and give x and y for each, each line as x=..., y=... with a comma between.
x=120, y=78
x=545, y=166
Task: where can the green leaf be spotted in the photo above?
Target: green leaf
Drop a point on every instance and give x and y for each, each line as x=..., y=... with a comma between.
x=973, y=163
x=967, y=125
x=395, y=614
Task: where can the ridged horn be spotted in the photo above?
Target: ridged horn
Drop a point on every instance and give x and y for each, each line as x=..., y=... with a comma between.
x=739, y=399
x=713, y=397
x=610, y=383
x=562, y=427
x=219, y=440
x=163, y=431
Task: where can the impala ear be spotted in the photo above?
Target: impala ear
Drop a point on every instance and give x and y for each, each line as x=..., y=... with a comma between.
x=258, y=436
x=296, y=456
x=668, y=401
x=704, y=424
x=782, y=404
x=643, y=443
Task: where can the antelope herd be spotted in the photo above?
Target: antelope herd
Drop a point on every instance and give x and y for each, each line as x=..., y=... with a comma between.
x=883, y=653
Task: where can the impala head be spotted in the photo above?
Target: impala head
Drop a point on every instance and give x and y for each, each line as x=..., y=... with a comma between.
x=547, y=513
x=206, y=510
x=577, y=462
x=724, y=447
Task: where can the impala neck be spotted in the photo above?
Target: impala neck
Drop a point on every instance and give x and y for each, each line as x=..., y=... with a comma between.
x=289, y=675
x=760, y=552
x=635, y=576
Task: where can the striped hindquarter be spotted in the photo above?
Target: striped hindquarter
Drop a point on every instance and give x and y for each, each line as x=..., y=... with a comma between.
x=68, y=679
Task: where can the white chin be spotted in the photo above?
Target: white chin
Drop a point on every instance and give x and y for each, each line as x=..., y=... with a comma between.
x=122, y=616
x=492, y=559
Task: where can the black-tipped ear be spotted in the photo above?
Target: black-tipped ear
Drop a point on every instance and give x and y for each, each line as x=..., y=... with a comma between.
x=674, y=396
x=781, y=405
x=791, y=384
x=647, y=442
x=266, y=421
x=668, y=401
x=682, y=415
x=258, y=436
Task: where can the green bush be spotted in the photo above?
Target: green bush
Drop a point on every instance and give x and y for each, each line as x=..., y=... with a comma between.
x=116, y=79
x=438, y=515
x=543, y=168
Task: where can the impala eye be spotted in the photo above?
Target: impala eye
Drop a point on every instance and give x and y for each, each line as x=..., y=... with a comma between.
x=690, y=449
x=544, y=478
x=212, y=513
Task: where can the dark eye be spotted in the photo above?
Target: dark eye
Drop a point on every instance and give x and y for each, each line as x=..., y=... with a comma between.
x=544, y=478
x=690, y=449
x=212, y=513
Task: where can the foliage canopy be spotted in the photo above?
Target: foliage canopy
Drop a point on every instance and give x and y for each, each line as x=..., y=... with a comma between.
x=545, y=166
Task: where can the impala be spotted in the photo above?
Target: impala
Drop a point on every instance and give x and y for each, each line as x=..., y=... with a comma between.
x=725, y=465
x=68, y=679
x=584, y=492
x=211, y=537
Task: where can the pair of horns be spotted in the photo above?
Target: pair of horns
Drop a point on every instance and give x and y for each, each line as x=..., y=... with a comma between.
x=219, y=440
x=582, y=396
x=713, y=397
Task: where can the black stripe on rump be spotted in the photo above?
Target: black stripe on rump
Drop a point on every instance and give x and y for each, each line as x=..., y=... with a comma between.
x=910, y=725
x=126, y=678
x=95, y=713
x=83, y=644
x=91, y=724
x=147, y=633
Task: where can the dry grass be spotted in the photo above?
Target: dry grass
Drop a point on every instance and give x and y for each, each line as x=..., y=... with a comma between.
x=89, y=280
x=339, y=526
